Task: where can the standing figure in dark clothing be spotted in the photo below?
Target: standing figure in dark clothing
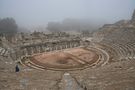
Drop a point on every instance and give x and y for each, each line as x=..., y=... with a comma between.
x=85, y=88
x=17, y=68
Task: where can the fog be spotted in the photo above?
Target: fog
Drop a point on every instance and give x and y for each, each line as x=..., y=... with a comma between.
x=37, y=13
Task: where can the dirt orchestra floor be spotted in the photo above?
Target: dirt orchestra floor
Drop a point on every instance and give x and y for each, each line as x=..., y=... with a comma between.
x=65, y=59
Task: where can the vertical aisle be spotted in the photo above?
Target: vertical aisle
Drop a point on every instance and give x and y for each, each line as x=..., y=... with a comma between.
x=69, y=83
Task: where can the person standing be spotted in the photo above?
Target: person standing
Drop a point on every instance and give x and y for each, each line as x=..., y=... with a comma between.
x=17, y=68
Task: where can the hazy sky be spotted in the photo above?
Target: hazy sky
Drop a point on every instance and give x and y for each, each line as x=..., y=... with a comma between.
x=39, y=12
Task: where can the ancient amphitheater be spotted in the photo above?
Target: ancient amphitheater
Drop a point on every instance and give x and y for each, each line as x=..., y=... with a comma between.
x=61, y=61
x=63, y=55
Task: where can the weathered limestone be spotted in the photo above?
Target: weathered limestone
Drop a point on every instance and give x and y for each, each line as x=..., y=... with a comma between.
x=133, y=16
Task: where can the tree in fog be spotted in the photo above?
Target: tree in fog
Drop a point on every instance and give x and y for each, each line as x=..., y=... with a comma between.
x=53, y=26
x=72, y=25
x=8, y=26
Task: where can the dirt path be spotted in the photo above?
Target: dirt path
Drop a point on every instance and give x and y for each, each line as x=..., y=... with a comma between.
x=69, y=83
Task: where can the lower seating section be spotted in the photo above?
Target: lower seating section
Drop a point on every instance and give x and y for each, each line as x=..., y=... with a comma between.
x=3, y=52
x=124, y=50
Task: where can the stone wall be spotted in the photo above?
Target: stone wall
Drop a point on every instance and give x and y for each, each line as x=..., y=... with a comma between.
x=48, y=46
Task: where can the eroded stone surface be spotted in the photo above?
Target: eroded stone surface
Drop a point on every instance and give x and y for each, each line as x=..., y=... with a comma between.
x=114, y=70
